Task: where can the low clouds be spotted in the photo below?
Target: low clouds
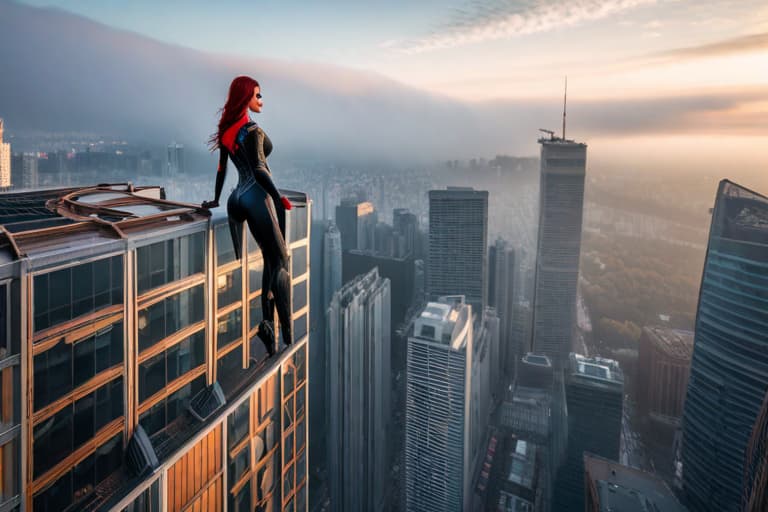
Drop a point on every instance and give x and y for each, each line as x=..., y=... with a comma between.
x=483, y=21
x=743, y=44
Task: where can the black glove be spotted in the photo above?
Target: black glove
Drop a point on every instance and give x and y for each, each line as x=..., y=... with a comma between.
x=210, y=204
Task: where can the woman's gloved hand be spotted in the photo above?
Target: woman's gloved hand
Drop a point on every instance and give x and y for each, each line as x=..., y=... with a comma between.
x=210, y=204
x=286, y=202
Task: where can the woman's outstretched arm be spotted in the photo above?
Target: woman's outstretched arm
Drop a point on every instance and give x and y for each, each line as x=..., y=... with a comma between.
x=221, y=175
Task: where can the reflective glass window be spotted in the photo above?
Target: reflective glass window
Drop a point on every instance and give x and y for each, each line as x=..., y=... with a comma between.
x=230, y=328
x=230, y=363
x=254, y=312
x=10, y=410
x=170, y=260
x=300, y=295
x=170, y=315
x=164, y=412
x=239, y=465
x=255, y=274
x=300, y=327
x=158, y=371
x=68, y=293
x=299, y=261
x=237, y=424
x=225, y=250
x=229, y=288
x=9, y=479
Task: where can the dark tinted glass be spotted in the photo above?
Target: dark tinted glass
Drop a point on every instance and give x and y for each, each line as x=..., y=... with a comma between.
x=170, y=315
x=229, y=288
x=255, y=312
x=68, y=293
x=232, y=362
x=229, y=328
x=237, y=424
x=225, y=251
x=299, y=261
x=169, y=260
x=255, y=273
x=162, y=369
x=300, y=295
x=66, y=366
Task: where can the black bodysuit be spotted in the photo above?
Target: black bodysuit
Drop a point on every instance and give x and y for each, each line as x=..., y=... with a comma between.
x=250, y=202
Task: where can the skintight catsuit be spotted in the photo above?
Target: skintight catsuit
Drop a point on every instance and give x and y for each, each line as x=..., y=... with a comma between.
x=250, y=202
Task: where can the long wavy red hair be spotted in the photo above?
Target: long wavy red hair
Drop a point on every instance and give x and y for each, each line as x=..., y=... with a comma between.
x=240, y=94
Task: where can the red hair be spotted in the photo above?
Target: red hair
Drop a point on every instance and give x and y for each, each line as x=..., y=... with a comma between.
x=240, y=94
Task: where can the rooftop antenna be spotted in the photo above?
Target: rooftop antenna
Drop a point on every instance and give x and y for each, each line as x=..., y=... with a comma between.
x=550, y=132
x=565, y=100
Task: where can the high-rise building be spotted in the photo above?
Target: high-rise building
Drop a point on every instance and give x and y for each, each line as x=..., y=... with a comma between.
x=5, y=160
x=561, y=201
x=594, y=392
x=406, y=229
x=458, y=245
x=359, y=394
x=729, y=370
x=24, y=170
x=132, y=373
x=175, y=160
x=356, y=221
x=611, y=486
x=664, y=362
x=438, y=409
x=755, y=495
x=332, y=261
x=501, y=295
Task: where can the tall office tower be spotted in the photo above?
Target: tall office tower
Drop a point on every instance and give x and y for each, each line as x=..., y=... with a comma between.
x=755, y=495
x=485, y=348
x=359, y=394
x=437, y=418
x=501, y=295
x=332, y=260
x=24, y=170
x=174, y=162
x=458, y=245
x=132, y=373
x=561, y=201
x=406, y=227
x=613, y=486
x=5, y=160
x=729, y=370
x=594, y=392
x=356, y=221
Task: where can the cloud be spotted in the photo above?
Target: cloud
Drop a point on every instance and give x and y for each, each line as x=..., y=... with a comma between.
x=504, y=19
x=743, y=44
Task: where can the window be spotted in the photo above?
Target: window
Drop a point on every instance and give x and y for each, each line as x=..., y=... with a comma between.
x=68, y=293
x=170, y=315
x=159, y=371
x=81, y=480
x=255, y=274
x=225, y=250
x=170, y=260
x=298, y=223
x=148, y=501
x=300, y=295
x=230, y=328
x=229, y=288
x=300, y=327
x=167, y=410
x=61, y=434
x=299, y=261
x=66, y=366
x=231, y=363
x=239, y=466
x=255, y=316
x=237, y=424
x=242, y=501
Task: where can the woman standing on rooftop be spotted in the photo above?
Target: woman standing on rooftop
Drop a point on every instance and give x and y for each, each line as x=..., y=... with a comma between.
x=255, y=200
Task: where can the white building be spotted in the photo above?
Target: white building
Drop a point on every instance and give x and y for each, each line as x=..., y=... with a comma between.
x=5, y=160
x=359, y=377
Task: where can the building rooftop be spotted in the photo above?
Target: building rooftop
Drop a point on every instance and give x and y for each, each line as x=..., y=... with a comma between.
x=626, y=489
x=537, y=360
x=597, y=369
x=445, y=322
x=675, y=343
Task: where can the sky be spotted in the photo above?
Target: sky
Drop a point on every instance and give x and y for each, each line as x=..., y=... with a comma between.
x=478, y=50
x=702, y=66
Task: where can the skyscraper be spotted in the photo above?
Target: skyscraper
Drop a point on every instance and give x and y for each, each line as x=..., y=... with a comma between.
x=729, y=370
x=594, y=393
x=331, y=263
x=458, y=245
x=356, y=221
x=132, y=374
x=175, y=160
x=501, y=295
x=24, y=170
x=437, y=419
x=359, y=394
x=561, y=201
x=5, y=160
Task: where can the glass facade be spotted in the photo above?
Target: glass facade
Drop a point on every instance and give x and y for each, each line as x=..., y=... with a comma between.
x=730, y=356
x=151, y=334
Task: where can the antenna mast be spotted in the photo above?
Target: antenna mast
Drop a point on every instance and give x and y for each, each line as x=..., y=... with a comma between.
x=565, y=100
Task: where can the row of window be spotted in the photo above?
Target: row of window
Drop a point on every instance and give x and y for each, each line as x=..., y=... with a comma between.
x=170, y=315
x=65, y=366
x=168, y=409
x=170, y=260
